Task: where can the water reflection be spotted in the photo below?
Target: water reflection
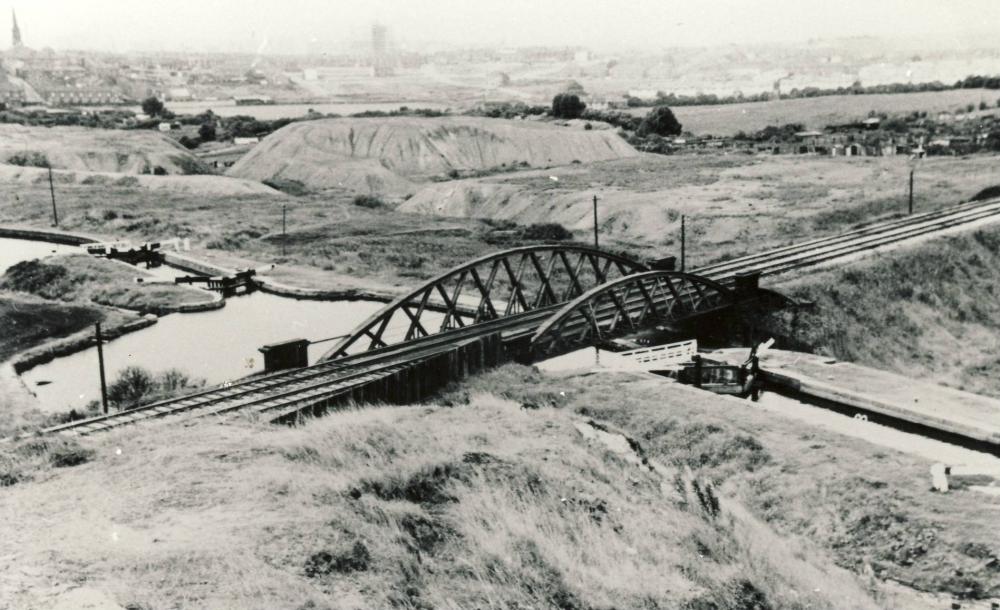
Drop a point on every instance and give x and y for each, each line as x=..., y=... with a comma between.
x=217, y=345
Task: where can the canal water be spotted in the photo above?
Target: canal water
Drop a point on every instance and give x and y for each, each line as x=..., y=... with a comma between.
x=217, y=346
x=13, y=251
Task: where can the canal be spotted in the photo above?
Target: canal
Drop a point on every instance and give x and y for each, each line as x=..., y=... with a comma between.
x=13, y=251
x=217, y=346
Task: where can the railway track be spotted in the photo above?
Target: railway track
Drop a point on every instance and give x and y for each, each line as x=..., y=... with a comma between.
x=299, y=387
x=284, y=391
x=869, y=237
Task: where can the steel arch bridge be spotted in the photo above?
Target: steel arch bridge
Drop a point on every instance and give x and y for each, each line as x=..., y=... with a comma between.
x=626, y=305
x=504, y=284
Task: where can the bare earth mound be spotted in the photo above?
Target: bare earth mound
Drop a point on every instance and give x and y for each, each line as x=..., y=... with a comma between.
x=387, y=155
x=734, y=203
x=98, y=150
x=198, y=185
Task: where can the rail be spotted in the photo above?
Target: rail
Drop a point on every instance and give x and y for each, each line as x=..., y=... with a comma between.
x=296, y=389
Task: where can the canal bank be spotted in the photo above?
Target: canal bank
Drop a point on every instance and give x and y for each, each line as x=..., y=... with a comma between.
x=836, y=402
x=53, y=236
x=927, y=407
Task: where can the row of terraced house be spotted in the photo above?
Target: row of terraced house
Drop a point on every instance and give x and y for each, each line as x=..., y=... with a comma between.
x=865, y=140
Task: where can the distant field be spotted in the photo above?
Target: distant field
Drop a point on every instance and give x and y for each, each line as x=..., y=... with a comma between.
x=818, y=112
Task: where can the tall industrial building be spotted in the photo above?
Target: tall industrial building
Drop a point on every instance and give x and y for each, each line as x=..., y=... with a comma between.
x=381, y=61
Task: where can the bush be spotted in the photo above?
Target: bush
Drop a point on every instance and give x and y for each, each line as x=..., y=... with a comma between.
x=623, y=120
x=368, y=201
x=135, y=386
x=567, y=106
x=547, y=231
x=34, y=277
x=355, y=559
x=153, y=106
x=189, y=142
x=989, y=192
x=508, y=110
x=291, y=187
x=207, y=132
x=64, y=456
x=660, y=121
x=34, y=159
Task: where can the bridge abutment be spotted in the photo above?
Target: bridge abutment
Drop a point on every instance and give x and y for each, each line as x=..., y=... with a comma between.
x=406, y=383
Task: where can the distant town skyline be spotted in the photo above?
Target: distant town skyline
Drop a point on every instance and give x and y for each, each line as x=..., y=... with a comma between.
x=295, y=26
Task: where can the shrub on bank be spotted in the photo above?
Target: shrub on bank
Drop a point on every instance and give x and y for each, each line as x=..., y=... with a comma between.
x=135, y=386
x=29, y=160
x=547, y=231
x=20, y=461
x=989, y=192
x=368, y=201
x=509, y=233
x=36, y=277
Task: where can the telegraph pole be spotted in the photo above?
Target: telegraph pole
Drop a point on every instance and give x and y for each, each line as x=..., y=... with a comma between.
x=596, y=245
x=52, y=192
x=911, y=191
x=683, y=244
x=100, y=362
x=912, y=163
x=283, y=226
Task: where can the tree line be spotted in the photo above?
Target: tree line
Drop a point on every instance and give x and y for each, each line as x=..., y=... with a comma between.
x=709, y=99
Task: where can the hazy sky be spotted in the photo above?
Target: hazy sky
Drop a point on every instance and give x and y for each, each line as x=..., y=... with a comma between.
x=287, y=25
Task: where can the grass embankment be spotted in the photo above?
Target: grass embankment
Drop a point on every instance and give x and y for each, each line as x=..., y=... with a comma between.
x=28, y=322
x=869, y=507
x=83, y=278
x=929, y=311
x=489, y=505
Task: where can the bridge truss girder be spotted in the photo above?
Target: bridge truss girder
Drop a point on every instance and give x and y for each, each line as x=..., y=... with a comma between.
x=499, y=285
x=627, y=305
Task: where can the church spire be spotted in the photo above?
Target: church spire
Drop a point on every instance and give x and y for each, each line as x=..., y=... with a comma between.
x=15, y=32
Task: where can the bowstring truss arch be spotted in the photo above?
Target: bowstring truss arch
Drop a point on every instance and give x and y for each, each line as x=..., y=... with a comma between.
x=627, y=305
x=515, y=282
